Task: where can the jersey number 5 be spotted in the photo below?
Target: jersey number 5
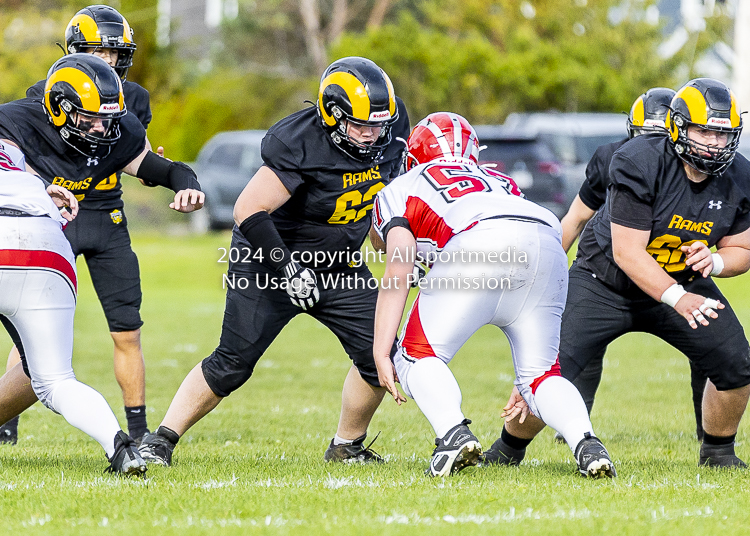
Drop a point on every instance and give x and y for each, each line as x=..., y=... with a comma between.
x=453, y=182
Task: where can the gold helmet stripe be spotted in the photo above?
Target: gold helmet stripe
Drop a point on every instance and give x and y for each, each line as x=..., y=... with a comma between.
x=121, y=99
x=354, y=90
x=695, y=103
x=391, y=95
x=82, y=84
x=638, y=113
x=673, y=132
x=734, y=114
x=87, y=26
x=127, y=33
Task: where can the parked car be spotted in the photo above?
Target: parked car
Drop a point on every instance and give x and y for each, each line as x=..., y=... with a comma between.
x=224, y=166
x=573, y=137
x=528, y=160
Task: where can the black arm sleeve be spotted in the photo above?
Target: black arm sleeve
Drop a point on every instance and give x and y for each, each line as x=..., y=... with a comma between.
x=262, y=234
x=158, y=171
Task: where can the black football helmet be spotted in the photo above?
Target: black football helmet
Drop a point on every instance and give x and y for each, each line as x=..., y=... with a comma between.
x=83, y=100
x=649, y=112
x=358, y=91
x=102, y=27
x=707, y=104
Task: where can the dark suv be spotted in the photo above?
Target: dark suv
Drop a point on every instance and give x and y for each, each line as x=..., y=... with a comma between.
x=225, y=164
x=573, y=138
x=529, y=161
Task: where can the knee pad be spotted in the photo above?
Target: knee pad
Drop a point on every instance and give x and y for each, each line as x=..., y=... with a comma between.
x=366, y=367
x=123, y=317
x=223, y=374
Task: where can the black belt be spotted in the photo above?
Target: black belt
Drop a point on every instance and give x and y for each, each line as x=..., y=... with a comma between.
x=527, y=219
x=13, y=212
x=20, y=213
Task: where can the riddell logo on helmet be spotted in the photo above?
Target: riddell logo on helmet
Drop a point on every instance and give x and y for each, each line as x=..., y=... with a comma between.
x=719, y=122
x=109, y=108
x=379, y=116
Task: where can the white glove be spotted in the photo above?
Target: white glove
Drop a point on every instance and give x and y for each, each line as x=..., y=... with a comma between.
x=302, y=285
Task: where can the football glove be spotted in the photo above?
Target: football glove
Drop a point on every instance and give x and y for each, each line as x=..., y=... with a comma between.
x=302, y=285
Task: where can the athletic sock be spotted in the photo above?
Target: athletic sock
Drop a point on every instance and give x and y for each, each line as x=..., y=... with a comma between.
x=86, y=409
x=136, y=416
x=513, y=441
x=338, y=440
x=709, y=439
x=436, y=392
x=560, y=406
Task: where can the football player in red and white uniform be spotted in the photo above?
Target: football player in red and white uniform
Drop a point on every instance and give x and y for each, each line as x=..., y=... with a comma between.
x=37, y=305
x=496, y=259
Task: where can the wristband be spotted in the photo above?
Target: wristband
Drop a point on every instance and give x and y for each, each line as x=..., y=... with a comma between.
x=718, y=264
x=673, y=294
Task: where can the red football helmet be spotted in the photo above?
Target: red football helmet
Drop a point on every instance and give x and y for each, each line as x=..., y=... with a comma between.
x=441, y=135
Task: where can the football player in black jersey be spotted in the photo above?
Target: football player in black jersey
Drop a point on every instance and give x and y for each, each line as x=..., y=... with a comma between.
x=644, y=262
x=104, y=32
x=647, y=115
x=79, y=137
x=322, y=168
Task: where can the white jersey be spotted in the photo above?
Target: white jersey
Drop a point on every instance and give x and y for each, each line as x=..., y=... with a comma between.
x=21, y=190
x=34, y=243
x=442, y=198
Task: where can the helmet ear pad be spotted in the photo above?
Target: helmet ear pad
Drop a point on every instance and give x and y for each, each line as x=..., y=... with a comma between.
x=53, y=107
x=334, y=97
x=57, y=105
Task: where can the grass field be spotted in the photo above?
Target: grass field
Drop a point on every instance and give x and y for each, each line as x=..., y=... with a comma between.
x=254, y=465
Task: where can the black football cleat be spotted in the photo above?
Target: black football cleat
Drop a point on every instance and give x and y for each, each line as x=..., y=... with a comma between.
x=157, y=447
x=354, y=452
x=593, y=459
x=455, y=451
x=501, y=454
x=9, y=432
x=126, y=460
x=720, y=456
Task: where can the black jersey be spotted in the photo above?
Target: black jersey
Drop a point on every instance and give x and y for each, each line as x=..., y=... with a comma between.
x=332, y=193
x=93, y=180
x=650, y=191
x=137, y=99
x=593, y=191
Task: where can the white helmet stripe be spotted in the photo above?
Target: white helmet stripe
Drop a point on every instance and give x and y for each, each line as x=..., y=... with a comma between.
x=446, y=150
x=470, y=144
x=456, y=136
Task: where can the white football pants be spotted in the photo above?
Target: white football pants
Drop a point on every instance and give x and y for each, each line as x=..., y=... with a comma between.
x=37, y=296
x=523, y=293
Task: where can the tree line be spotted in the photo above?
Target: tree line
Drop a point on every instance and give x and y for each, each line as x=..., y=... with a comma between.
x=481, y=58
